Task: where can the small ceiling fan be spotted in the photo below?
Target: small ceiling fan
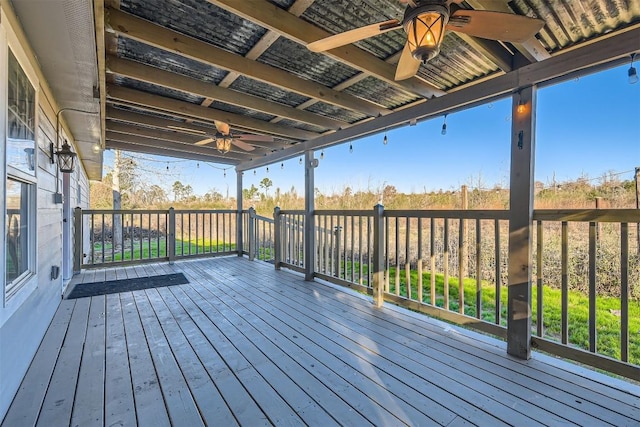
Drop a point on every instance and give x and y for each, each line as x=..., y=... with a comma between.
x=224, y=137
x=427, y=21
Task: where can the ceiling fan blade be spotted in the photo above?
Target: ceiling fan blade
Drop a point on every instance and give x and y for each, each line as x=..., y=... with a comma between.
x=491, y=25
x=205, y=141
x=353, y=36
x=188, y=130
x=222, y=127
x=256, y=138
x=242, y=145
x=408, y=65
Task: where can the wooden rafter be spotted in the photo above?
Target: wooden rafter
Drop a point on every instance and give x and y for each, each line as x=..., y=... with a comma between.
x=156, y=76
x=127, y=25
x=288, y=25
x=166, y=152
x=188, y=110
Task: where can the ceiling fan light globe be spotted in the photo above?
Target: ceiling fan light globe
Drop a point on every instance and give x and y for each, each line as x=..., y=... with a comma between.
x=425, y=27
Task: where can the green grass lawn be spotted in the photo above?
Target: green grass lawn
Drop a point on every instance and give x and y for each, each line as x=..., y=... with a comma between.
x=158, y=249
x=607, y=311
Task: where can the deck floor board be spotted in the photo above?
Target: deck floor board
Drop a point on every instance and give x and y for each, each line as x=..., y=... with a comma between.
x=243, y=344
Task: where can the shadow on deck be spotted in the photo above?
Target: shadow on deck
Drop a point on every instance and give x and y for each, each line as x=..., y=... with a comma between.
x=245, y=344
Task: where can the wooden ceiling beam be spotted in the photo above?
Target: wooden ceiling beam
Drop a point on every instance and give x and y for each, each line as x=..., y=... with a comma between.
x=270, y=16
x=206, y=114
x=166, y=152
x=156, y=76
x=184, y=138
x=143, y=141
x=131, y=117
x=127, y=25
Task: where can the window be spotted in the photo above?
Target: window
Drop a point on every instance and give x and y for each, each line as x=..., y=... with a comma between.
x=21, y=157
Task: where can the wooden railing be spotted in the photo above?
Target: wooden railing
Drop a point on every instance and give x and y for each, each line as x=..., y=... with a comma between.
x=451, y=264
x=118, y=237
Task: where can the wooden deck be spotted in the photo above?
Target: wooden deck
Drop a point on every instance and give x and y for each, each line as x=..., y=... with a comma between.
x=243, y=344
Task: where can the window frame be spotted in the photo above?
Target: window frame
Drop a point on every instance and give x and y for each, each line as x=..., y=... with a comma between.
x=24, y=285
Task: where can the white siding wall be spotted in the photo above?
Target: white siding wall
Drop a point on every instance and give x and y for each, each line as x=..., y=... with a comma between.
x=25, y=318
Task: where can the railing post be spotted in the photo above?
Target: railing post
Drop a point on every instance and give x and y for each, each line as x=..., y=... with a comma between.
x=77, y=240
x=378, y=255
x=277, y=243
x=239, y=218
x=252, y=234
x=171, y=236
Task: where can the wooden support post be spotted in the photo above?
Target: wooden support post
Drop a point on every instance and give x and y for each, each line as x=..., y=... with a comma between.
x=309, y=254
x=521, y=223
x=239, y=219
x=171, y=241
x=378, y=255
x=252, y=234
x=77, y=240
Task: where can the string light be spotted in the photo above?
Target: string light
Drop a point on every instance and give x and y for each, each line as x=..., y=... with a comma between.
x=167, y=165
x=300, y=161
x=444, y=126
x=198, y=165
x=267, y=169
x=350, y=148
x=224, y=173
x=254, y=172
x=281, y=165
x=633, y=73
x=385, y=140
x=322, y=155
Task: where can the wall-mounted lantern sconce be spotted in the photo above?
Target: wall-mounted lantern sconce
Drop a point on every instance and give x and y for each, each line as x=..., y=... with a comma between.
x=66, y=158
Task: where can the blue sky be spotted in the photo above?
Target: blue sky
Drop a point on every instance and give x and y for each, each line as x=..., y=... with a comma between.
x=585, y=127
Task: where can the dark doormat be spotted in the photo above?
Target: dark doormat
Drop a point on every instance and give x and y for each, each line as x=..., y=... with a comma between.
x=83, y=290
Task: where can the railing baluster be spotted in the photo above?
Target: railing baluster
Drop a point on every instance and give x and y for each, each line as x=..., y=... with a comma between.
x=539, y=280
x=419, y=266
x=624, y=292
x=446, y=263
x=387, y=254
x=592, y=287
x=352, y=263
x=461, y=262
x=407, y=257
x=432, y=254
x=478, y=269
x=498, y=301
x=565, y=283
x=397, y=258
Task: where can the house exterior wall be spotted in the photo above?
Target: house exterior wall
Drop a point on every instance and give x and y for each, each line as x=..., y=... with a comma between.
x=25, y=316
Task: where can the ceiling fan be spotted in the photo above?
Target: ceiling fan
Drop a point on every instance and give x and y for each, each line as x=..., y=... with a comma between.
x=427, y=21
x=224, y=137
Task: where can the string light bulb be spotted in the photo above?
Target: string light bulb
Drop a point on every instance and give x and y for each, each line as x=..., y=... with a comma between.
x=224, y=173
x=444, y=126
x=281, y=165
x=198, y=165
x=300, y=161
x=350, y=147
x=632, y=73
x=267, y=169
x=322, y=155
x=385, y=140
x=254, y=172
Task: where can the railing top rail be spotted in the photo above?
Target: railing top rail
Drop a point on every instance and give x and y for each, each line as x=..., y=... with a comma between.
x=292, y=212
x=197, y=211
x=449, y=213
x=341, y=212
x=265, y=219
x=124, y=211
x=586, y=215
